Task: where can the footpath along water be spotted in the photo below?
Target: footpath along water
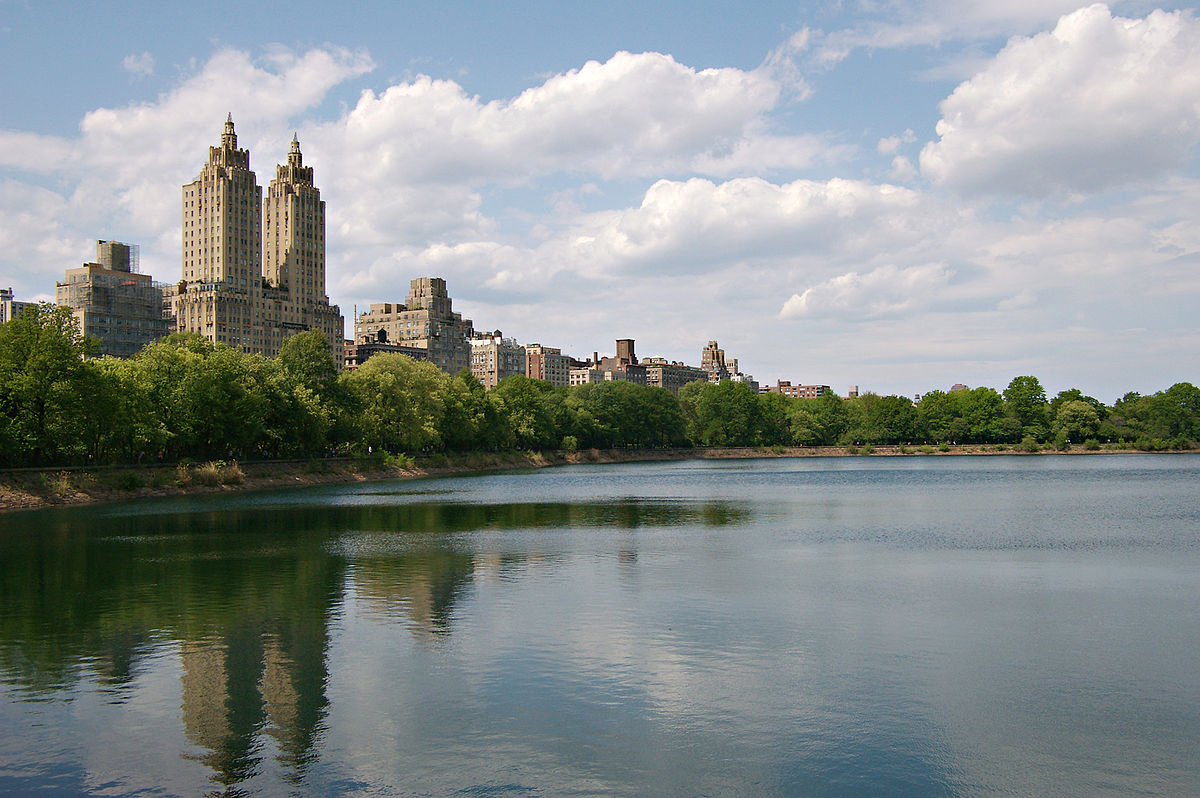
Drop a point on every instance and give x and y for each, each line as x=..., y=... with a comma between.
x=817, y=626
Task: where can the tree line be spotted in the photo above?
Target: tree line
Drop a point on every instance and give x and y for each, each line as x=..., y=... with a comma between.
x=186, y=398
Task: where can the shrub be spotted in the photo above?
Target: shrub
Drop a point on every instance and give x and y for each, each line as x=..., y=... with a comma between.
x=399, y=461
x=1029, y=444
x=868, y=449
x=777, y=448
x=926, y=449
x=1092, y=445
x=183, y=475
x=570, y=443
x=208, y=474
x=852, y=449
x=128, y=480
x=943, y=447
x=231, y=474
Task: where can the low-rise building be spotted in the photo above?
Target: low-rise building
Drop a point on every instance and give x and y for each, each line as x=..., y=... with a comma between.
x=113, y=303
x=786, y=388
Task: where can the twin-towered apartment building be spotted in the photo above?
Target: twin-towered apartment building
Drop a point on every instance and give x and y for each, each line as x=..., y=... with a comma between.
x=253, y=273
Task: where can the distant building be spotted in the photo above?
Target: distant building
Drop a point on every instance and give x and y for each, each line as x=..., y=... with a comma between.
x=426, y=321
x=11, y=308
x=958, y=386
x=621, y=366
x=359, y=352
x=113, y=303
x=671, y=375
x=585, y=375
x=231, y=291
x=852, y=392
x=786, y=388
x=719, y=368
x=494, y=357
x=712, y=361
x=547, y=363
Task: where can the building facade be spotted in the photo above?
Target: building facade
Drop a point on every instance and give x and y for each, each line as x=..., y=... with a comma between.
x=786, y=388
x=549, y=364
x=671, y=375
x=113, y=302
x=11, y=308
x=426, y=321
x=229, y=292
x=494, y=357
x=359, y=352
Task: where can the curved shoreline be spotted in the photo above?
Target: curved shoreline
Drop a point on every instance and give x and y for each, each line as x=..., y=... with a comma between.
x=32, y=489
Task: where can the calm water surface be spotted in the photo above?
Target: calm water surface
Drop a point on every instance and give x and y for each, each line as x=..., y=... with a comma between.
x=919, y=626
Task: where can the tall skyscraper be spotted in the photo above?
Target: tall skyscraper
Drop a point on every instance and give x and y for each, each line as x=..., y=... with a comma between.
x=230, y=293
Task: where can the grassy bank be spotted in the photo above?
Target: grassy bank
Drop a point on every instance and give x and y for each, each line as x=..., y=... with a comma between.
x=23, y=489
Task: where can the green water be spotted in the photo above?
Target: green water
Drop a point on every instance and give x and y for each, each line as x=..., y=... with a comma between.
x=953, y=625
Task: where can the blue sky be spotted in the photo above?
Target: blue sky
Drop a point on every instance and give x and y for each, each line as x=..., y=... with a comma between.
x=895, y=195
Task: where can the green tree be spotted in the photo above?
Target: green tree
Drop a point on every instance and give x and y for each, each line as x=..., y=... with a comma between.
x=306, y=360
x=1075, y=421
x=724, y=414
x=531, y=410
x=399, y=402
x=42, y=372
x=1025, y=400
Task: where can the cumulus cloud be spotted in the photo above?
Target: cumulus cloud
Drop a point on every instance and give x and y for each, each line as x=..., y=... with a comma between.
x=1098, y=102
x=634, y=115
x=887, y=290
x=891, y=144
x=140, y=65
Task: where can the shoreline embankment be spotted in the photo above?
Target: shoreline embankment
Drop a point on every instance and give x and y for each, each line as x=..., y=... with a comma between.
x=33, y=488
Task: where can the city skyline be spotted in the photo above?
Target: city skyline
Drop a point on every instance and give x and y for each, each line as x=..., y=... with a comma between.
x=903, y=197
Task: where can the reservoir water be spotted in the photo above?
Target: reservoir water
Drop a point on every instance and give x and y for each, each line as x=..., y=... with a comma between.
x=820, y=626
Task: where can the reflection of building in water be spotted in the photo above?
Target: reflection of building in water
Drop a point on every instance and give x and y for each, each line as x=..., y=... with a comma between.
x=246, y=683
x=423, y=587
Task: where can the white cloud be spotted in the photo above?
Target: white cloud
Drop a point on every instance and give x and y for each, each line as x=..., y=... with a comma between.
x=140, y=65
x=902, y=24
x=1097, y=103
x=885, y=291
x=891, y=144
x=902, y=169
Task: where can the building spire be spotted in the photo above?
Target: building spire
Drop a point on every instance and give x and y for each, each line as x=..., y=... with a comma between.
x=229, y=137
x=294, y=157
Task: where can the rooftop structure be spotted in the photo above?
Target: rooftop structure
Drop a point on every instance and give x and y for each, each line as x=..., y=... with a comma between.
x=113, y=302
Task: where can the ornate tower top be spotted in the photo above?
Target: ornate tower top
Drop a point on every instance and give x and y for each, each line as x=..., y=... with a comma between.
x=229, y=137
x=294, y=157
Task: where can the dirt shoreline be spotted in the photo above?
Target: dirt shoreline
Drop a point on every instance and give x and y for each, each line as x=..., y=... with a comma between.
x=34, y=489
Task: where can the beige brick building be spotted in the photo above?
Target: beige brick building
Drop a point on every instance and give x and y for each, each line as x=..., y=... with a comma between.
x=426, y=320
x=671, y=375
x=494, y=357
x=230, y=293
x=113, y=303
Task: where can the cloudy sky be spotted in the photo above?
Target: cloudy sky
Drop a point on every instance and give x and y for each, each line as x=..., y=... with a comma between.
x=899, y=195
